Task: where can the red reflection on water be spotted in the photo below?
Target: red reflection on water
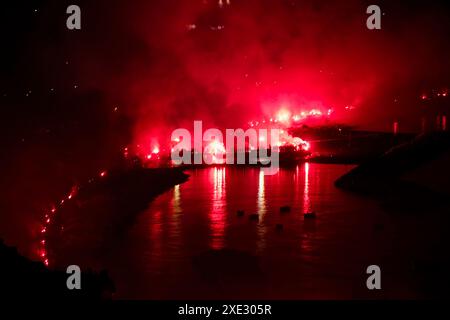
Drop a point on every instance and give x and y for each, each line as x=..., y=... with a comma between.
x=176, y=199
x=306, y=198
x=308, y=243
x=156, y=239
x=218, y=208
x=261, y=196
x=262, y=210
x=174, y=223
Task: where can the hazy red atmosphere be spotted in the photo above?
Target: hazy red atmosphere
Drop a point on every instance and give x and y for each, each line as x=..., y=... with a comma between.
x=166, y=63
x=86, y=124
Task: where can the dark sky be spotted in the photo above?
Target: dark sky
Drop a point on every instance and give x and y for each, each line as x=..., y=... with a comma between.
x=166, y=63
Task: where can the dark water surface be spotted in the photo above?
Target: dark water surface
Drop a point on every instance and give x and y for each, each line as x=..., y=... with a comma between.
x=324, y=257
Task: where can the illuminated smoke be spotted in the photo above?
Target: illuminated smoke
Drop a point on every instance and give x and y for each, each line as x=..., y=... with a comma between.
x=228, y=63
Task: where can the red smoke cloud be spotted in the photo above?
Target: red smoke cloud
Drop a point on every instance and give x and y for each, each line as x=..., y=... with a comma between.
x=172, y=62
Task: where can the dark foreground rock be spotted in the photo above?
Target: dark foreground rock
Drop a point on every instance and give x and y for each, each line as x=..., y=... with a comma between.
x=23, y=279
x=412, y=173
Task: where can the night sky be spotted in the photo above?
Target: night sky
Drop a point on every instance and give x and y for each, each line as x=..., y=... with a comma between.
x=166, y=62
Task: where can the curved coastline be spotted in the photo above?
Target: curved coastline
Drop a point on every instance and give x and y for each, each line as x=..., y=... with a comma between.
x=86, y=226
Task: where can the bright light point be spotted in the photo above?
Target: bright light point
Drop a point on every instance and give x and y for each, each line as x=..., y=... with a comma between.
x=283, y=115
x=155, y=150
x=300, y=143
x=315, y=112
x=216, y=150
x=306, y=146
x=103, y=174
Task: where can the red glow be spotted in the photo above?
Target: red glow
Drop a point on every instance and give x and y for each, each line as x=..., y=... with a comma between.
x=283, y=116
x=217, y=215
x=306, y=146
x=306, y=186
x=103, y=174
x=315, y=112
x=216, y=150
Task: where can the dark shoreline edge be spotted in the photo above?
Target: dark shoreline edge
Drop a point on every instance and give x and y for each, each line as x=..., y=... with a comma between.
x=131, y=191
x=383, y=175
x=25, y=280
x=84, y=229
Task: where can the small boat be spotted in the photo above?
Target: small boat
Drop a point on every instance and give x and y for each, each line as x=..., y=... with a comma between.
x=285, y=209
x=310, y=215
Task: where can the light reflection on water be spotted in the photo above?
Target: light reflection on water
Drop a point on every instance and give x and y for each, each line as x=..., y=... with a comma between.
x=262, y=213
x=217, y=214
x=199, y=215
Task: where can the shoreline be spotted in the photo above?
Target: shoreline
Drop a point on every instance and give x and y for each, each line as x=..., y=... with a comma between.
x=87, y=225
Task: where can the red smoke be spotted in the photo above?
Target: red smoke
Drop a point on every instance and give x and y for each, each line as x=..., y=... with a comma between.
x=172, y=62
